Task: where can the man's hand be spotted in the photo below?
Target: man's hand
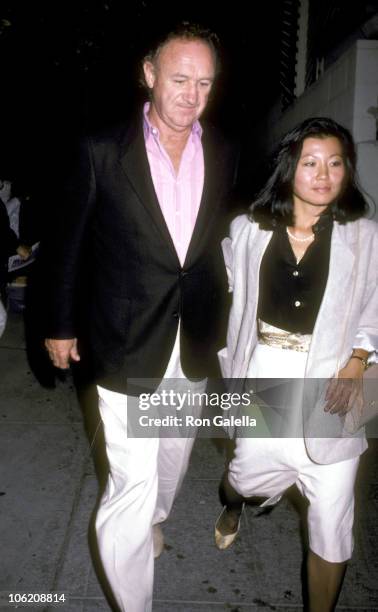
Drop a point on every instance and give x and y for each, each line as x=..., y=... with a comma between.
x=61, y=352
x=346, y=390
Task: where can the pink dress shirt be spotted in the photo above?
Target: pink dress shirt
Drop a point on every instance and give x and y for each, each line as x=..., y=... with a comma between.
x=179, y=194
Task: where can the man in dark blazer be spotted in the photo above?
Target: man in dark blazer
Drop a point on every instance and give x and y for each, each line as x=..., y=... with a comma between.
x=145, y=208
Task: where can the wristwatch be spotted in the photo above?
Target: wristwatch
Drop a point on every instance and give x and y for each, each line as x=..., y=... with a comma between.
x=363, y=360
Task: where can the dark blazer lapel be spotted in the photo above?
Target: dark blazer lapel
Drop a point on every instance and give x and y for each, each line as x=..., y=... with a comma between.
x=135, y=164
x=209, y=202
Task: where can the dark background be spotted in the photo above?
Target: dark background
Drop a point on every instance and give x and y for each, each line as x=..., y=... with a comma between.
x=73, y=66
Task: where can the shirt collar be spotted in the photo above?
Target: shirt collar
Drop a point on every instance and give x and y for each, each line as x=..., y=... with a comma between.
x=149, y=129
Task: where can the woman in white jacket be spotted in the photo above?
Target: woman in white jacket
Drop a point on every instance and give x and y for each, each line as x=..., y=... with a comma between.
x=303, y=268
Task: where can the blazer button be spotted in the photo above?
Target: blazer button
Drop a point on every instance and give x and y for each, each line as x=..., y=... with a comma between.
x=175, y=315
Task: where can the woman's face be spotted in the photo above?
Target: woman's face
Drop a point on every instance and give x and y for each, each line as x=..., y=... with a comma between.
x=320, y=174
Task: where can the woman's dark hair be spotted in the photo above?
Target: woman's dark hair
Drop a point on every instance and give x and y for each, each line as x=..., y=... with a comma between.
x=274, y=203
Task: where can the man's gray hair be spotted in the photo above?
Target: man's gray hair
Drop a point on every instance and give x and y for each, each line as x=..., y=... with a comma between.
x=187, y=31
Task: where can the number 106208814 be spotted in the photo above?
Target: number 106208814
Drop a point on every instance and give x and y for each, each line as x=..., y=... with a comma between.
x=16, y=600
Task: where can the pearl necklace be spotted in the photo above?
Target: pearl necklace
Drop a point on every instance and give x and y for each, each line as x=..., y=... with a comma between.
x=311, y=237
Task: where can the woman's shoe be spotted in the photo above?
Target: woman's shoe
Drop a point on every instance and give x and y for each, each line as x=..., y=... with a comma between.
x=223, y=541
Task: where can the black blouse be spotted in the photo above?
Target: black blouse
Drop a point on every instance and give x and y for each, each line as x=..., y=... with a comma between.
x=290, y=294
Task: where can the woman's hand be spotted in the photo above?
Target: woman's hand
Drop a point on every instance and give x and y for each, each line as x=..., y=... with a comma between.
x=346, y=390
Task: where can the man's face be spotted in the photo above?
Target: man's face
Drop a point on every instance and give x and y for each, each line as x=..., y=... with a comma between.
x=180, y=83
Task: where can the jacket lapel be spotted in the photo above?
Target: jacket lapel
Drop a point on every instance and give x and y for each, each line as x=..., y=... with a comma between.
x=257, y=243
x=338, y=295
x=134, y=161
x=210, y=203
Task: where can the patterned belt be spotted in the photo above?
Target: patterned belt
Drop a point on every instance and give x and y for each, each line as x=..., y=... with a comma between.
x=280, y=338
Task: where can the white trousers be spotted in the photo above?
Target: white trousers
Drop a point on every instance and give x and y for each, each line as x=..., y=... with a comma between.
x=266, y=467
x=145, y=476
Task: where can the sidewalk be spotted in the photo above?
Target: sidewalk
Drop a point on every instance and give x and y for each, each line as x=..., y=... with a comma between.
x=48, y=489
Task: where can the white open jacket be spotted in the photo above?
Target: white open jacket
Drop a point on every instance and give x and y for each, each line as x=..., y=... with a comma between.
x=347, y=318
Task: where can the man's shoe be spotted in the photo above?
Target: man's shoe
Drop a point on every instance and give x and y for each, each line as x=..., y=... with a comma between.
x=223, y=541
x=158, y=540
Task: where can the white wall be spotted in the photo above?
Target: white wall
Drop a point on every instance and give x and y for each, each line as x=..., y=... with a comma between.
x=365, y=91
x=364, y=127
x=368, y=172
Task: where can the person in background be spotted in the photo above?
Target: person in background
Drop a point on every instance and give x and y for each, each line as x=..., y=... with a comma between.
x=145, y=206
x=303, y=265
x=9, y=245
